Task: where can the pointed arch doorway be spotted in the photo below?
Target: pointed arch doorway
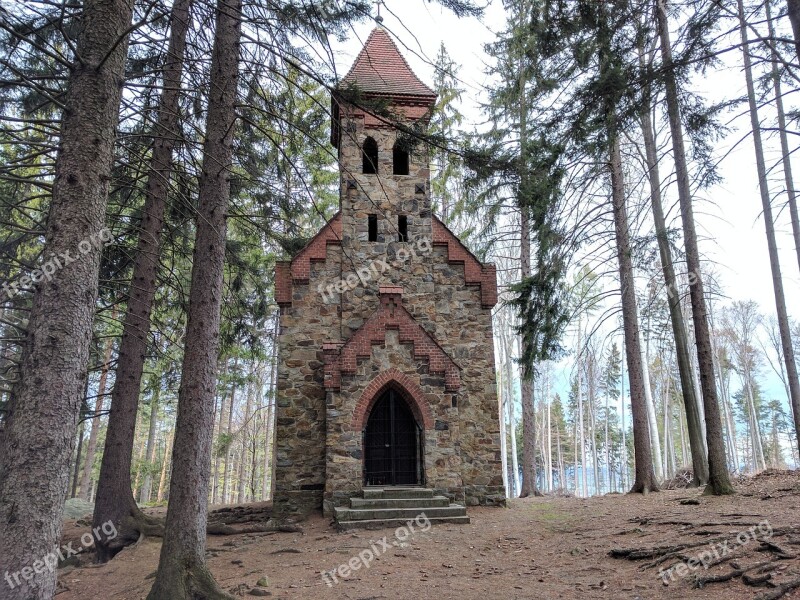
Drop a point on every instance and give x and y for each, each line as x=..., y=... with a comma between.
x=393, y=443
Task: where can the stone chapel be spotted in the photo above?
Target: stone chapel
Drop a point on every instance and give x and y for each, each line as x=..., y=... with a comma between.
x=386, y=375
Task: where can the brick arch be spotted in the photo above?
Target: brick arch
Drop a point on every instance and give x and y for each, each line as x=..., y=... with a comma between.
x=405, y=386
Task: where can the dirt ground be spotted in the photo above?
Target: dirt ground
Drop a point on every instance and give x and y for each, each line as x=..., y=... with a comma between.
x=543, y=548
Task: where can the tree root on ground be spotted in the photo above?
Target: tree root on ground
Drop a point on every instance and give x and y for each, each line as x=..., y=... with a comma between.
x=759, y=574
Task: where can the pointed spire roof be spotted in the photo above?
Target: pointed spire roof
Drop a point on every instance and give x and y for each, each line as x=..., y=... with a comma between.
x=381, y=69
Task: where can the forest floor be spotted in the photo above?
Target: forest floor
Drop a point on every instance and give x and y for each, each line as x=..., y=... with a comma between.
x=543, y=548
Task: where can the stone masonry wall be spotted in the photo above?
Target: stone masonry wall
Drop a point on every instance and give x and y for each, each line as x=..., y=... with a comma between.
x=318, y=441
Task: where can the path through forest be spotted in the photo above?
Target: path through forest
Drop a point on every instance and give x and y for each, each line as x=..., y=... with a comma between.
x=544, y=548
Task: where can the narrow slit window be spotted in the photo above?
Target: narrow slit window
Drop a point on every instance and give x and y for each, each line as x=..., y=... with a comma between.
x=372, y=227
x=400, y=158
x=402, y=228
x=370, y=157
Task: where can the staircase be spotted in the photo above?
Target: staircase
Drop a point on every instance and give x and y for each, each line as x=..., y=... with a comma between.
x=395, y=506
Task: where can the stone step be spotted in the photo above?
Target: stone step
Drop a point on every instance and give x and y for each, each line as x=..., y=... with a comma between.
x=396, y=493
x=395, y=523
x=354, y=514
x=419, y=503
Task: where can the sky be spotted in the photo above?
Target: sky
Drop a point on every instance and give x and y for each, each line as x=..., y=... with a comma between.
x=728, y=215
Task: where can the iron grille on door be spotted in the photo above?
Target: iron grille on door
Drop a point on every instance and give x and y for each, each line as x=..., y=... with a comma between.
x=392, y=443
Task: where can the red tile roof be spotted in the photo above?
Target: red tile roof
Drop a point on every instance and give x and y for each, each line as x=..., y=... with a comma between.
x=381, y=69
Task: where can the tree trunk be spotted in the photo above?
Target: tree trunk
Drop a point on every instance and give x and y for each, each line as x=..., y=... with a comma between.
x=783, y=136
x=91, y=446
x=162, y=482
x=77, y=465
x=243, y=449
x=718, y=478
x=579, y=437
x=645, y=480
x=144, y=494
x=502, y=415
x=769, y=224
x=624, y=474
x=115, y=501
x=793, y=8
x=655, y=439
x=515, y=482
x=549, y=454
x=38, y=439
x=182, y=571
x=685, y=369
x=592, y=389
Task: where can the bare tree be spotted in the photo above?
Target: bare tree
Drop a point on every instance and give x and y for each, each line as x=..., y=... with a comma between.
x=769, y=224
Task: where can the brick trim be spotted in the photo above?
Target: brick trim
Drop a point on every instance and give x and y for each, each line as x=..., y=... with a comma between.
x=390, y=315
x=475, y=272
x=299, y=269
x=405, y=386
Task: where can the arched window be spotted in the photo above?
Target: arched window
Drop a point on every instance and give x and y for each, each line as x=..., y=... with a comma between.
x=400, y=156
x=370, y=156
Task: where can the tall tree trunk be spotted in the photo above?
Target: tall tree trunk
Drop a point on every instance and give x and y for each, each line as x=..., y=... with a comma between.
x=769, y=224
x=718, y=477
x=182, y=571
x=115, y=501
x=243, y=448
x=229, y=442
x=162, y=482
x=579, y=436
x=38, y=439
x=77, y=469
x=515, y=482
x=91, y=446
x=685, y=368
x=592, y=389
x=502, y=399
x=655, y=439
x=791, y=193
x=624, y=474
x=605, y=442
x=144, y=494
x=793, y=8
x=549, y=453
x=645, y=480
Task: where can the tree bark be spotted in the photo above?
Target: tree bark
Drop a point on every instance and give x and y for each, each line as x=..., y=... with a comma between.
x=38, y=439
x=624, y=474
x=149, y=455
x=685, y=369
x=243, y=449
x=77, y=469
x=91, y=446
x=655, y=439
x=162, y=482
x=182, y=571
x=793, y=8
x=791, y=193
x=115, y=501
x=769, y=225
x=645, y=480
x=718, y=479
